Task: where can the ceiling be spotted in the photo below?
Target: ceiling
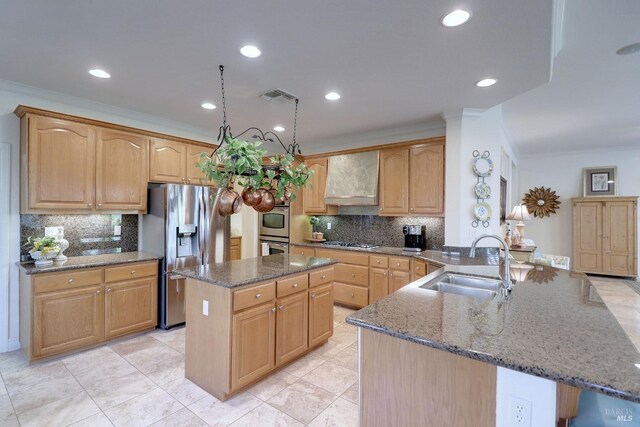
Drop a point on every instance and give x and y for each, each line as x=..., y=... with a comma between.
x=593, y=99
x=393, y=62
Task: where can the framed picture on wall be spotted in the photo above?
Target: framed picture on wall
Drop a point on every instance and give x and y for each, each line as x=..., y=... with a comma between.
x=600, y=181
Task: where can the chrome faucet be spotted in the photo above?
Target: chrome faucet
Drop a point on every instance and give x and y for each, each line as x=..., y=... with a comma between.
x=506, y=276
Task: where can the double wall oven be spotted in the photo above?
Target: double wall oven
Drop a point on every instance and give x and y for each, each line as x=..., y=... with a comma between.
x=274, y=230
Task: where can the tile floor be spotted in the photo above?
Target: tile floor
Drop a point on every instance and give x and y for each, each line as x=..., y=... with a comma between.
x=140, y=382
x=623, y=302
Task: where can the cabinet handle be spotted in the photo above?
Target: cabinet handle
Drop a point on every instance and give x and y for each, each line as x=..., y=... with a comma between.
x=378, y=262
x=273, y=310
x=295, y=285
x=353, y=274
x=89, y=204
x=391, y=274
x=97, y=292
x=281, y=307
x=133, y=272
x=352, y=295
x=411, y=209
x=182, y=179
x=385, y=274
x=313, y=295
x=398, y=264
x=258, y=296
x=323, y=277
x=99, y=205
x=108, y=289
x=189, y=180
x=70, y=281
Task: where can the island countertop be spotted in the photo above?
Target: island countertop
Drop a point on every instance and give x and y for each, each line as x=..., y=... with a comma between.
x=553, y=325
x=232, y=274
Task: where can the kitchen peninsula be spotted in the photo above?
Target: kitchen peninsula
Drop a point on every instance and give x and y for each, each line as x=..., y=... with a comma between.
x=247, y=318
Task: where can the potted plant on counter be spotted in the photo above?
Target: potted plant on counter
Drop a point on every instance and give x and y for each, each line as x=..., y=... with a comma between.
x=315, y=235
x=43, y=249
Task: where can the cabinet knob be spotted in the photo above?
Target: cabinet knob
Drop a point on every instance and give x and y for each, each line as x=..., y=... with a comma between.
x=411, y=209
x=295, y=285
x=189, y=180
x=352, y=295
x=133, y=272
x=323, y=277
x=385, y=274
x=313, y=295
x=391, y=274
x=280, y=307
x=70, y=281
x=99, y=205
x=97, y=292
x=398, y=264
x=258, y=296
x=353, y=274
x=378, y=262
x=89, y=204
x=182, y=179
x=108, y=289
x=273, y=310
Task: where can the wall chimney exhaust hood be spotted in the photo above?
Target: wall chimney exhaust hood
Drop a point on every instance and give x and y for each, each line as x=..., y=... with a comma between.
x=352, y=179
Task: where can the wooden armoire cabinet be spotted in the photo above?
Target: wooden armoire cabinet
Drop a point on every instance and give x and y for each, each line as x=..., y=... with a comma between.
x=605, y=235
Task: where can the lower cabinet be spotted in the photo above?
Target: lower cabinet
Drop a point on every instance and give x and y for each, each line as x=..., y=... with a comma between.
x=398, y=279
x=66, y=320
x=378, y=284
x=320, y=314
x=130, y=306
x=253, y=347
x=292, y=327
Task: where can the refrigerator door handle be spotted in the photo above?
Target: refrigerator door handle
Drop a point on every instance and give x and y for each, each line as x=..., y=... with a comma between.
x=202, y=230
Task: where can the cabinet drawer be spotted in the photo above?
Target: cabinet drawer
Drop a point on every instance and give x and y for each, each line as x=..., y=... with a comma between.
x=61, y=281
x=130, y=271
x=292, y=285
x=356, y=296
x=254, y=296
x=352, y=274
x=321, y=277
x=347, y=257
x=401, y=264
x=379, y=261
x=301, y=250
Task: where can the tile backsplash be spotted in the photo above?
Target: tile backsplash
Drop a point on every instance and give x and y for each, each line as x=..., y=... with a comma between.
x=87, y=234
x=379, y=230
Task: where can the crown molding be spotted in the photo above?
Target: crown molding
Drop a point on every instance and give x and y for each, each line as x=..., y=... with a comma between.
x=620, y=148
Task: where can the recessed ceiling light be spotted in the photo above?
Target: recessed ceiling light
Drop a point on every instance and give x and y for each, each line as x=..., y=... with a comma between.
x=250, y=51
x=97, y=72
x=332, y=96
x=486, y=82
x=629, y=49
x=278, y=129
x=208, y=106
x=455, y=18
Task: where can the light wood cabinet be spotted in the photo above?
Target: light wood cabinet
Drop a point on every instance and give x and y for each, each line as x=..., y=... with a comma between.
x=426, y=179
x=253, y=347
x=130, y=306
x=59, y=160
x=378, y=284
x=605, y=235
x=292, y=322
x=193, y=173
x=398, y=279
x=420, y=269
x=394, y=181
x=302, y=250
x=67, y=320
x=121, y=171
x=235, y=248
x=313, y=193
x=320, y=314
x=167, y=161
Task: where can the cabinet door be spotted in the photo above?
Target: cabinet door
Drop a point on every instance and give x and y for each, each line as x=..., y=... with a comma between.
x=121, y=171
x=378, y=284
x=394, y=181
x=619, y=238
x=130, y=306
x=313, y=194
x=236, y=245
x=292, y=327
x=60, y=164
x=426, y=180
x=167, y=161
x=587, y=236
x=320, y=314
x=194, y=174
x=253, y=344
x=398, y=279
x=419, y=269
x=66, y=320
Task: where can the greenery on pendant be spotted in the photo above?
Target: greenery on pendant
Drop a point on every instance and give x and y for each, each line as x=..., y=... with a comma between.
x=43, y=244
x=288, y=176
x=232, y=159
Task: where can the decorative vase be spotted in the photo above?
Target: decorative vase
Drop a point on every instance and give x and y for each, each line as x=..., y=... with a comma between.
x=63, y=244
x=251, y=196
x=319, y=235
x=42, y=259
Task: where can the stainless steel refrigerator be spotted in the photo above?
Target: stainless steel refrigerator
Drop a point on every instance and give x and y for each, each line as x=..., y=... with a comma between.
x=184, y=227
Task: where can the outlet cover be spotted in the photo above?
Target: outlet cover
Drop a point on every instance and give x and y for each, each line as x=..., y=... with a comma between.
x=328, y=226
x=54, y=231
x=519, y=412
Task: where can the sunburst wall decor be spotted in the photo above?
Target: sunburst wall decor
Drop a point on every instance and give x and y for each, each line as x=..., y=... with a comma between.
x=541, y=202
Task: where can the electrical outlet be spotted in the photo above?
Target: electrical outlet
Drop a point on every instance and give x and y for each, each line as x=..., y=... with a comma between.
x=328, y=226
x=54, y=231
x=205, y=307
x=519, y=412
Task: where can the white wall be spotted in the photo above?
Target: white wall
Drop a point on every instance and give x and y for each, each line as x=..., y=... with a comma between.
x=12, y=95
x=563, y=173
x=540, y=392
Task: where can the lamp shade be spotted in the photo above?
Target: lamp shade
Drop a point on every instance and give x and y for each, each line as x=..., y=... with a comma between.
x=519, y=213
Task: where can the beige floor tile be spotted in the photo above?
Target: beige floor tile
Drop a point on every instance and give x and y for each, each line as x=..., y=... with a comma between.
x=92, y=359
x=22, y=378
x=217, y=413
x=47, y=391
x=167, y=372
x=144, y=410
x=111, y=392
x=12, y=360
x=7, y=414
x=340, y=313
x=266, y=415
x=155, y=358
x=304, y=365
x=133, y=345
x=3, y=389
x=184, y=391
x=302, y=401
x=332, y=378
x=182, y=418
x=344, y=335
x=347, y=358
x=340, y=413
x=272, y=385
x=97, y=420
x=351, y=394
x=328, y=350
x=174, y=338
x=61, y=412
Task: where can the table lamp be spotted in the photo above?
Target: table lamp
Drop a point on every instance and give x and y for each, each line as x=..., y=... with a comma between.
x=520, y=214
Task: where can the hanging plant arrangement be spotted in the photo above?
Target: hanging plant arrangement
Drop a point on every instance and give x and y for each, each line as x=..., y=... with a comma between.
x=240, y=161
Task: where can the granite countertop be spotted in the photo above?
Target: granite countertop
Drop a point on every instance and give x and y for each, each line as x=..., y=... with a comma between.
x=76, y=262
x=553, y=325
x=232, y=274
x=434, y=256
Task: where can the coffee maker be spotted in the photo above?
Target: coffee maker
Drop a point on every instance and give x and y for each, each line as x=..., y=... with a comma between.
x=415, y=238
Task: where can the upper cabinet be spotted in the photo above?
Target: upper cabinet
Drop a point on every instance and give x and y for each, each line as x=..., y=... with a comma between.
x=121, y=171
x=412, y=180
x=313, y=193
x=167, y=161
x=194, y=174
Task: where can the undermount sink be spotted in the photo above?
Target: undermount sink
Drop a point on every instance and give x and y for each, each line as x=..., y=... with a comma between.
x=460, y=284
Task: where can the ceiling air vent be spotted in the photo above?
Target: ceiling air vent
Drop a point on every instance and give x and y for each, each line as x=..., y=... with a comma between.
x=277, y=96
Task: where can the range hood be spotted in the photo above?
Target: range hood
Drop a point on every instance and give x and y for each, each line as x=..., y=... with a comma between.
x=352, y=179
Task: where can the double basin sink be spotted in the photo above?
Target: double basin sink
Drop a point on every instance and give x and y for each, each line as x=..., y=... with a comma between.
x=460, y=284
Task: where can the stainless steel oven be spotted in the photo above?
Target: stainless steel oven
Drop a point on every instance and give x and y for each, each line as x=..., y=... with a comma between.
x=275, y=223
x=273, y=247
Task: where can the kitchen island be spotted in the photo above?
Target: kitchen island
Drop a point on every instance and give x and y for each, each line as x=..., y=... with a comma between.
x=455, y=350
x=247, y=318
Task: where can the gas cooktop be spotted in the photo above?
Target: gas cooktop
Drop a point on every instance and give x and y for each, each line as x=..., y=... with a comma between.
x=350, y=244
